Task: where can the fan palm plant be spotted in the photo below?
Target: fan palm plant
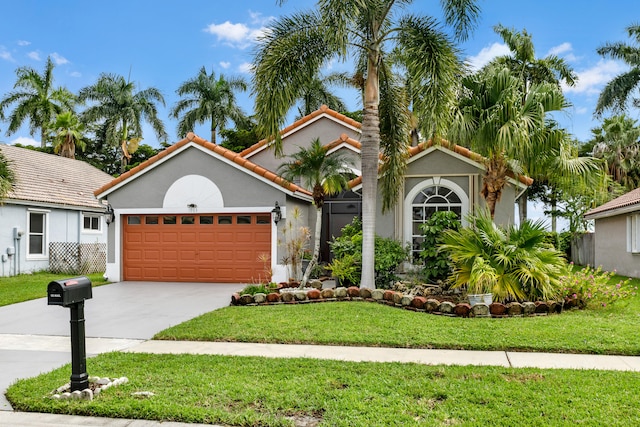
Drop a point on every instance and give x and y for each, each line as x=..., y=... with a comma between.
x=512, y=263
x=7, y=177
x=324, y=175
x=67, y=134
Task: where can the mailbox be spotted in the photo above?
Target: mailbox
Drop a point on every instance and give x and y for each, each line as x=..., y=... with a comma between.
x=67, y=292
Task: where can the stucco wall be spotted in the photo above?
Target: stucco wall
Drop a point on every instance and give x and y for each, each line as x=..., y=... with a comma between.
x=611, y=247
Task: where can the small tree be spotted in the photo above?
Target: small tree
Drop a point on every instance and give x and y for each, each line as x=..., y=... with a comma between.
x=296, y=239
x=437, y=265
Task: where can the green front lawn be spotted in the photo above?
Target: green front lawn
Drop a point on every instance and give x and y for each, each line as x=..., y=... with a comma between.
x=252, y=391
x=25, y=287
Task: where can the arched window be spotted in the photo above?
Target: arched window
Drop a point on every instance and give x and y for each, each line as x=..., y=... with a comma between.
x=430, y=196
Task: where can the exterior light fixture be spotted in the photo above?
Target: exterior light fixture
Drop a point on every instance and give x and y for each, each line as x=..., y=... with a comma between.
x=109, y=215
x=276, y=214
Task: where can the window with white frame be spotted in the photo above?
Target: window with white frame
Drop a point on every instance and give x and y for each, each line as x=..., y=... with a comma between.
x=91, y=223
x=37, y=233
x=633, y=233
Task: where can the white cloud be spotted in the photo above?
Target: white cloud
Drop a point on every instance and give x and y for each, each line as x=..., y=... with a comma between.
x=562, y=48
x=235, y=35
x=246, y=68
x=225, y=64
x=23, y=43
x=5, y=54
x=591, y=80
x=486, y=55
x=34, y=55
x=23, y=140
x=258, y=19
x=75, y=74
x=59, y=59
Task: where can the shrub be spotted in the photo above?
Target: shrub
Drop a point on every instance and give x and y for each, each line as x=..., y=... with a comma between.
x=254, y=289
x=513, y=263
x=592, y=288
x=437, y=265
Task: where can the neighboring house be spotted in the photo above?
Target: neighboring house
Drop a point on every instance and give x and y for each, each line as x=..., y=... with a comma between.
x=51, y=219
x=617, y=234
x=200, y=212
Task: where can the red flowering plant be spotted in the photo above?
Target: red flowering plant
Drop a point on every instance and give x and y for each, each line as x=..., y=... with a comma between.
x=591, y=288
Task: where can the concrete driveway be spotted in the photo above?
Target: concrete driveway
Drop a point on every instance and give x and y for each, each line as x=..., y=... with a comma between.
x=34, y=337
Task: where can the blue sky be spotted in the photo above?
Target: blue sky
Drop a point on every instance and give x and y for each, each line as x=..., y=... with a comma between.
x=162, y=43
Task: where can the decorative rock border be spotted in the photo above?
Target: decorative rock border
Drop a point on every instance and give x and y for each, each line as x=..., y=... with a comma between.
x=96, y=385
x=400, y=300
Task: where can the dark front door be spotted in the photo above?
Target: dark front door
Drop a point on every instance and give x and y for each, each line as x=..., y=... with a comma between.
x=336, y=213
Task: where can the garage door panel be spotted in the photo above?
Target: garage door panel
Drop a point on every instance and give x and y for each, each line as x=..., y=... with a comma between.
x=206, y=248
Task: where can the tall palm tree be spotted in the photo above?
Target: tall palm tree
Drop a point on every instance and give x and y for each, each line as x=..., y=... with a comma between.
x=617, y=141
x=7, y=177
x=317, y=93
x=495, y=120
x=119, y=110
x=36, y=101
x=366, y=31
x=211, y=100
x=617, y=94
x=523, y=63
x=324, y=175
x=67, y=134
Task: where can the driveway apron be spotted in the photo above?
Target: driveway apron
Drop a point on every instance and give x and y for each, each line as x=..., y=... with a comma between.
x=34, y=337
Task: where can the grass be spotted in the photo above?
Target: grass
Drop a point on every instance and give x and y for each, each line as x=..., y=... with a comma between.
x=25, y=287
x=251, y=391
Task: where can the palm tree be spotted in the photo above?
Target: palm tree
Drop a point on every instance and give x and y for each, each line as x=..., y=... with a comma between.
x=616, y=95
x=522, y=62
x=7, y=177
x=495, y=120
x=325, y=175
x=67, y=134
x=317, y=93
x=617, y=141
x=119, y=112
x=211, y=100
x=296, y=47
x=36, y=100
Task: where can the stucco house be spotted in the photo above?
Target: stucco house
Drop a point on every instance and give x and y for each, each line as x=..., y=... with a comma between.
x=617, y=234
x=51, y=219
x=200, y=212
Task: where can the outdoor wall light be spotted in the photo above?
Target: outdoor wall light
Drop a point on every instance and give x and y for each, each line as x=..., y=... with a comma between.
x=276, y=214
x=109, y=215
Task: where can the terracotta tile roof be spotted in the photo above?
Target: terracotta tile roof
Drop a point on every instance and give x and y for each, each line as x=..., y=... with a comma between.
x=228, y=154
x=627, y=200
x=344, y=138
x=413, y=151
x=50, y=179
x=322, y=110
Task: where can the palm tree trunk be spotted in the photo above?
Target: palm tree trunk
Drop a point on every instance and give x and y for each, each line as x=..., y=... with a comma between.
x=213, y=132
x=369, y=154
x=316, y=248
x=43, y=138
x=522, y=206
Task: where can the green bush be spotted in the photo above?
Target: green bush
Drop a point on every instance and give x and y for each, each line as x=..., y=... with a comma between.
x=591, y=288
x=254, y=289
x=560, y=241
x=389, y=254
x=437, y=265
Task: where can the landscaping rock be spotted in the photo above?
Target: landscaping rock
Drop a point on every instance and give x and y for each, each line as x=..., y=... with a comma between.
x=388, y=295
x=514, y=309
x=327, y=293
x=418, y=302
x=246, y=299
x=377, y=294
x=273, y=297
x=462, y=309
x=365, y=293
x=353, y=291
x=446, y=307
x=287, y=296
x=300, y=295
x=314, y=283
x=528, y=308
x=235, y=298
x=340, y=292
x=480, y=310
x=259, y=298
x=397, y=297
x=431, y=305
x=405, y=300
x=541, y=307
x=314, y=294
x=497, y=309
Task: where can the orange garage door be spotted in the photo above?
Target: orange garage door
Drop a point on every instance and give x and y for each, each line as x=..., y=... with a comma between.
x=196, y=248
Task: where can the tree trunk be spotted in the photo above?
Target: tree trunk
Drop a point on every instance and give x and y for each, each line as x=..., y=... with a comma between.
x=522, y=206
x=316, y=248
x=370, y=151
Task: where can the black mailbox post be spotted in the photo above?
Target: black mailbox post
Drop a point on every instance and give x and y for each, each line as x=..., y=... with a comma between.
x=72, y=293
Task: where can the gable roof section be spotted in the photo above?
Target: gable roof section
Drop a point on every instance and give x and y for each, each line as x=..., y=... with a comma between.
x=323, y=111
x=628, y=202
x=226, y=155
x=344, y=140
x=465, y=153
x=47, y=179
